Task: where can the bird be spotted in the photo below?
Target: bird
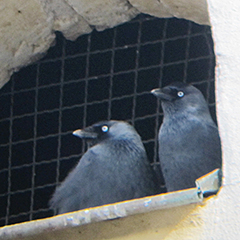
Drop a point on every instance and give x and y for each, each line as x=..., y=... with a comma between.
x=114, y=168
x=189, y=144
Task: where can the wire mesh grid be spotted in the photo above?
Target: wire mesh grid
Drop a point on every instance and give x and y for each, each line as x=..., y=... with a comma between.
x=103, y=75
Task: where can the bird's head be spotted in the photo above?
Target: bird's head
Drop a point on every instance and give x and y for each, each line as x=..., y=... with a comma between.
x=181, y=97
x=113, y=130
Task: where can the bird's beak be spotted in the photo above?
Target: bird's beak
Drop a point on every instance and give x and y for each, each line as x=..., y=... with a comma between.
x=158, y=92
x=86, y=133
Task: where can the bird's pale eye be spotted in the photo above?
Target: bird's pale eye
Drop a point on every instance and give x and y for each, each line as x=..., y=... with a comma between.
x=180, y=94
x=104, y=128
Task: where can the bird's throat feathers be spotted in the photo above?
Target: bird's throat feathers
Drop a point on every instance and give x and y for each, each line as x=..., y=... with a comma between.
x=175, y=112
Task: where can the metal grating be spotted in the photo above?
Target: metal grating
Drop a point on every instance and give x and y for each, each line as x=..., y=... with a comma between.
x=103, y=75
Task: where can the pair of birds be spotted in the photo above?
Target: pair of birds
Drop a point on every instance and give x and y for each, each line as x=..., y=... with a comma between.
x=115, y=167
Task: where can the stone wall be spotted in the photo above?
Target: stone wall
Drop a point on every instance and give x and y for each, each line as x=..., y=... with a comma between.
x=27, y=27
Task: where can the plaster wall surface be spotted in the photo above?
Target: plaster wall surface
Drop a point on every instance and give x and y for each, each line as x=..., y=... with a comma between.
x=220, y=217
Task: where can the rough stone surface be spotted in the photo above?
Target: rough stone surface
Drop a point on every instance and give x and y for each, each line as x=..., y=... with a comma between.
x=152, y=7
x=27, y=27
x=193, y=10
x=25, y=34
x=104, y=14
x=66, y=19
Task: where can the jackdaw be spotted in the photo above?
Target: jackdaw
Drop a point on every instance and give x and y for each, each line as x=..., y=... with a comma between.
x=189, y=142
x=114, y=168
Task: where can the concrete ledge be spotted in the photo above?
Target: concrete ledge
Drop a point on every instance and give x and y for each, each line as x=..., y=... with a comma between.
x=68, y=225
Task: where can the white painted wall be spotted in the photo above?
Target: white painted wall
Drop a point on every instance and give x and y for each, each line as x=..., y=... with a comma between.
x=225, y=27
x=225, y=212
x=220, y=217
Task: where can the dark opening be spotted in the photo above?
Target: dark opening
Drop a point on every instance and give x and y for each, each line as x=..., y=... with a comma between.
x=103, y=75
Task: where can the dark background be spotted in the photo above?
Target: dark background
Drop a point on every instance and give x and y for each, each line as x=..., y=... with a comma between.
x=103, y=75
